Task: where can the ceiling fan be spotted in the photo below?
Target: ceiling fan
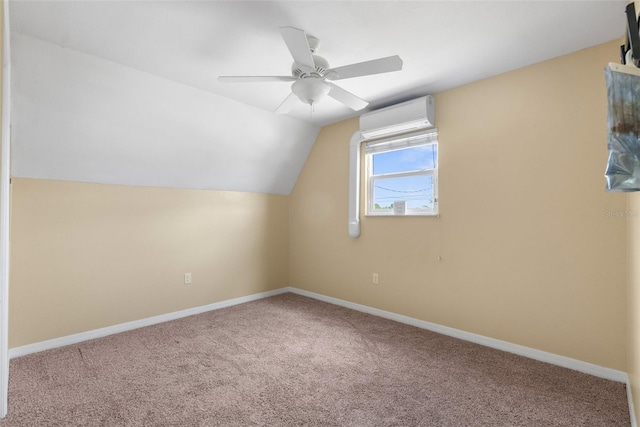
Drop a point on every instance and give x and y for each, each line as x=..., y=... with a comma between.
x=310, y=73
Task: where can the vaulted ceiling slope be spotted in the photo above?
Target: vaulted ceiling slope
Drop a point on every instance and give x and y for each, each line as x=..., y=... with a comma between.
x=125, y=92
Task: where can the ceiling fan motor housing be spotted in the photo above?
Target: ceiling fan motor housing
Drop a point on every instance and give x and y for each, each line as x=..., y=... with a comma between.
x=301, y=72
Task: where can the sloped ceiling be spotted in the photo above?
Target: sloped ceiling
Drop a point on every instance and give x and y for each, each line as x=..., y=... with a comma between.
x=125, y=92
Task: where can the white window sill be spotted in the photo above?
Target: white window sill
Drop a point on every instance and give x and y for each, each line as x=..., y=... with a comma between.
x=400, y=216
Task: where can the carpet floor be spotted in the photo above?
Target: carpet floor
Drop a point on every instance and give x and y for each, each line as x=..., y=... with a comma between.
x=294, y=361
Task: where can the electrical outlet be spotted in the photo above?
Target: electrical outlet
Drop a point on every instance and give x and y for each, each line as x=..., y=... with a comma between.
x=187, y=278
x=375, y=279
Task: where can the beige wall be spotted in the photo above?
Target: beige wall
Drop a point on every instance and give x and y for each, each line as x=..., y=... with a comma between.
x=528, y=254
x=86, y=256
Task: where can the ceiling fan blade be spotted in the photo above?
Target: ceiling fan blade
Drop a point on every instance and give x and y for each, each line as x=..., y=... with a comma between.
x=287, y=104
x=250, y=79
x=298, y=45
x=347, y=98
x=375, y=66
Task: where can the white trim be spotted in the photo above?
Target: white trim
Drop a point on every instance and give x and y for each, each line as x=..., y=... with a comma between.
x=554, y=359
x=632, y=412
x=414, y=139
x=122, y=327
x=543, y=356
x=5, y=209
x=354, y=184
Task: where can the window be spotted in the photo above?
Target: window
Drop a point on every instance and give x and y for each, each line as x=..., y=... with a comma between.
x=402, y=175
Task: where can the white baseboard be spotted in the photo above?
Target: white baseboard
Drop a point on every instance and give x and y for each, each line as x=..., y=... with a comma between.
x=543, y=356
x=122, y=327
x=632, y=412
x=588, y=368
x=554, y=359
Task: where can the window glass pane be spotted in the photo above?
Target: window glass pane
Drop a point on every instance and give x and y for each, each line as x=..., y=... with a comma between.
x=406, y=159
x=416, y=190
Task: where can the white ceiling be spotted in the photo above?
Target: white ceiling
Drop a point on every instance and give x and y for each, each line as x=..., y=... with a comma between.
x=137, y=100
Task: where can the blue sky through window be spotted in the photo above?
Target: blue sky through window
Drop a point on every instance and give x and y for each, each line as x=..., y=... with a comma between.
x=407, y=159
x=417, y=190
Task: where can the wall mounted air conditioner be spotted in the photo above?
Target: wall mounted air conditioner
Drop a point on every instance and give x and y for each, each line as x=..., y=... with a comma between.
x=416, y=114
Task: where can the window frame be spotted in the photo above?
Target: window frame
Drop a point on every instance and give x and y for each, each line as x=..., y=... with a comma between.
x=373, y=147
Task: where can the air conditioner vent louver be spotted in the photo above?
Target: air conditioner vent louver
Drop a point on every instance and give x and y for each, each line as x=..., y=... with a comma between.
x=416, y=114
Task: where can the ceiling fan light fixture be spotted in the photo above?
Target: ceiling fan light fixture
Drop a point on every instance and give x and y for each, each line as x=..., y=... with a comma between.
x=310, y=90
